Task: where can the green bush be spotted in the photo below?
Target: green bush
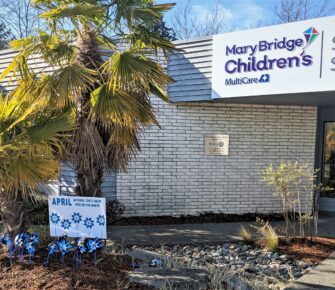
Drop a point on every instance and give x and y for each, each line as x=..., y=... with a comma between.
x=114, y=211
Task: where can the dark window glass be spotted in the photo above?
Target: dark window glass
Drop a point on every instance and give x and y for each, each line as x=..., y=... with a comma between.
x=328, y=164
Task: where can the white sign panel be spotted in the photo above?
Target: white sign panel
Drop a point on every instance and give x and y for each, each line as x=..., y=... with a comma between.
x=216, y=145
x=283, y=59
x=77, y=216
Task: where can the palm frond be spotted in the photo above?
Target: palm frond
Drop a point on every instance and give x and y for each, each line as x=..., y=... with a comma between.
x=75, y=10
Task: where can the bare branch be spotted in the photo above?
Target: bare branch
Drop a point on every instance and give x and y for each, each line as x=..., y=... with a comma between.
x=297, y=10
x=187, y=25
x=19, y=16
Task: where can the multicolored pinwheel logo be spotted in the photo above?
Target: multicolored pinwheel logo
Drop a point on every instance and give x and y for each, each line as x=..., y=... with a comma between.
x=311, y=34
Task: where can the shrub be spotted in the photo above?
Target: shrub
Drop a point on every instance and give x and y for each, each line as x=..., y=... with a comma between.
x=37, y=214
x=114, y=211
x=246, y=235
x=267, y=237
x=294, y=184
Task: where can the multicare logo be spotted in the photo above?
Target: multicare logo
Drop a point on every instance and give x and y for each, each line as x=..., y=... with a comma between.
x=311, y=34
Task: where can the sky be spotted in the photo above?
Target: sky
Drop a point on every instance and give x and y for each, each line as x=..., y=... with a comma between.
x=240, y=14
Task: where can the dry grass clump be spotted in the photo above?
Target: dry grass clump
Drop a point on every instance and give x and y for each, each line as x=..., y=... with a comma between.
x=246, y=235
x=267, y=236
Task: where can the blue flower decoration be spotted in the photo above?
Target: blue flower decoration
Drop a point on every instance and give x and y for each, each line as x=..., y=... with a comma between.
x=55, y=218
x=89, y=223
x=76, y=218
x=66, y=224
x=101, y=220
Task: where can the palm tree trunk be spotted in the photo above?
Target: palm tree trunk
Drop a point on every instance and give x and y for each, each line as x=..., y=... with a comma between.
x=89, y=171
x=12, y=214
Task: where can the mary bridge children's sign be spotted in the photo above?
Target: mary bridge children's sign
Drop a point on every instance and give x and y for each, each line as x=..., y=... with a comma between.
x=283, y=59
x=77, y=216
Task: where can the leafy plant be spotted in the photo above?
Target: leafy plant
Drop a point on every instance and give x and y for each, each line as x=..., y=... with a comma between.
x=114, y=211
x=29, y=142
x=246, y=235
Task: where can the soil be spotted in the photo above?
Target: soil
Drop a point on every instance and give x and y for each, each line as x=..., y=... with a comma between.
x=311, y=251
x=109, y=273
x=200, y=219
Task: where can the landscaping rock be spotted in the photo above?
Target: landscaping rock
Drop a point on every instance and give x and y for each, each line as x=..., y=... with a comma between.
x=170, y=278
x=248, y=260
x=234, y=283
x=146, y=256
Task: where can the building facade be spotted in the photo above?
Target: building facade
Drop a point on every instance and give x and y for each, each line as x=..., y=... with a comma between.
x=266, y=114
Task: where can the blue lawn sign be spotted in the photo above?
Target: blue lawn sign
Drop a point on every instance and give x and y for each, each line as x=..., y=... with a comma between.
x=77, y=217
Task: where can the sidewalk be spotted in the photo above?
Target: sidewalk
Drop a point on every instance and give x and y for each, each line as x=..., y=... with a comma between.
x=175, y=234
x=322, y=277
x=196, y=233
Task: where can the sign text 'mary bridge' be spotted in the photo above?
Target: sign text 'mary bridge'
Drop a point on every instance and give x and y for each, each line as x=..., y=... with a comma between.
x=284, y=59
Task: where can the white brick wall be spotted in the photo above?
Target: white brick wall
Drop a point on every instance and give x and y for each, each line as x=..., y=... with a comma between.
x=172, y=176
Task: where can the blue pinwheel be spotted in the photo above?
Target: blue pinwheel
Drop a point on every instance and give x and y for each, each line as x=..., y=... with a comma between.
x=64, y=246
x=19, y=240
x=31, y=249
x=52, y=249
x=81, y=245
x=94, y=244
x=6, y=240
x=80, y=249
x=54, y=218
x=88, y=223
x=101, y=220
x=76, y=218
x=66, y=224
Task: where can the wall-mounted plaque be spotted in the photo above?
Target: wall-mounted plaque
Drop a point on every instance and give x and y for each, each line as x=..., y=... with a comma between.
x=217, y=145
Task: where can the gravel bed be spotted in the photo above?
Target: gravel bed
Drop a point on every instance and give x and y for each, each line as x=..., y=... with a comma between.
x=246, y=260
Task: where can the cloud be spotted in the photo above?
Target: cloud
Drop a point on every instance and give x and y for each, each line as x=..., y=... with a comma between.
x=239, y=14
x=246, y=13
x=201, y=12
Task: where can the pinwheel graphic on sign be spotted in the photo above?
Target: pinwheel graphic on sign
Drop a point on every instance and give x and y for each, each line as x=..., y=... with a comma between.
x=311, y=34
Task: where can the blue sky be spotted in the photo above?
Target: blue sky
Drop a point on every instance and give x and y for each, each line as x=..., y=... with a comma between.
x=241, y=14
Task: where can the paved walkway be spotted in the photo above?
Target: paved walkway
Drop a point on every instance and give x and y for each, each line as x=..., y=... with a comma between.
x=175, y=234
x=322, y=277
x=195, y=233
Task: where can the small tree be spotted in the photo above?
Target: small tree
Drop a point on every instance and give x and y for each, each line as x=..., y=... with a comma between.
x=295, y=185
x=105, y=68
x=29, y=140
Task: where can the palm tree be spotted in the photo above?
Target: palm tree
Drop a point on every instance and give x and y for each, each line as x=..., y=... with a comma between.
x=104, y=56
x=29, y=140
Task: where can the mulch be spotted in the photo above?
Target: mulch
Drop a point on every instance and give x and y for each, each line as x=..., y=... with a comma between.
x=198, y=219
x=311, y=251
x=109, y=273
x=111, y=270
